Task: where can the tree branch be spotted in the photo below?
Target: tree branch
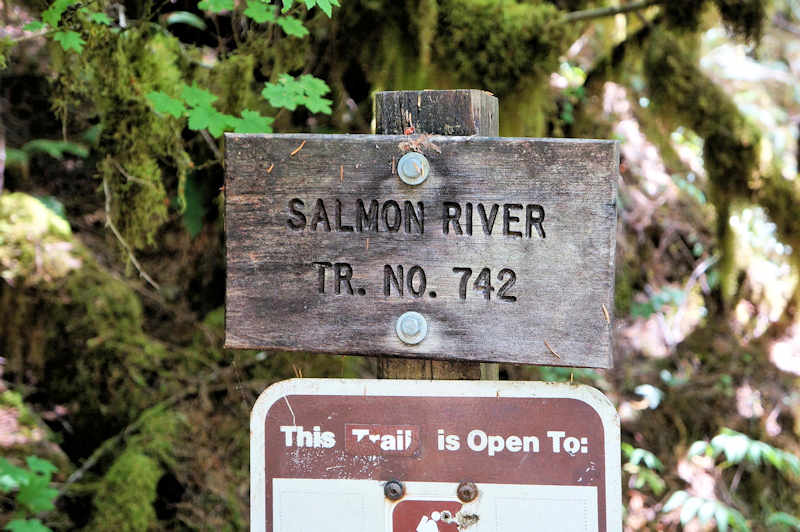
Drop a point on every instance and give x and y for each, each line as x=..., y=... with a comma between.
x=600, y=12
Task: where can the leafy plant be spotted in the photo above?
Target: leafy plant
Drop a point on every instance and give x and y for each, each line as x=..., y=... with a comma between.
x=643, y=465
x=784, y=521
x=704, y=510
x=33, y=493
x=738, y=447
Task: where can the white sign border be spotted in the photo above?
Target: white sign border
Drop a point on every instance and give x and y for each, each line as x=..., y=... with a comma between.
x=421, y=388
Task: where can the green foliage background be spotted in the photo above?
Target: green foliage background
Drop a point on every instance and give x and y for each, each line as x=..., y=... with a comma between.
x=111, y=235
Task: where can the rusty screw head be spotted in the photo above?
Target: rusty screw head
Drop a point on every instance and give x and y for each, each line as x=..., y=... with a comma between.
x=467, y=491
x=394, y=490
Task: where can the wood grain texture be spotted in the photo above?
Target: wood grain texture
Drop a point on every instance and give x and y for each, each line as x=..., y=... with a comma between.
x=563, y=280
x=442, y=112
x=445, y=112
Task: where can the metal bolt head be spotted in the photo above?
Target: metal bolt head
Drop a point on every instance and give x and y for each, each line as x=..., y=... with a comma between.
x=413, y=168
x=467, y=491
x=394, y=490
x=411, y=328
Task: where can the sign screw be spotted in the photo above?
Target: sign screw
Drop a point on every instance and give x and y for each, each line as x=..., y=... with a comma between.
x=413, y=168
x=411, y=328
x=394, y=490
x=467, y=491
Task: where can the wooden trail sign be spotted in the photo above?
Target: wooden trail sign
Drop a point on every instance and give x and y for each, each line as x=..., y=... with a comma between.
x=505, y=251
x=399, y=456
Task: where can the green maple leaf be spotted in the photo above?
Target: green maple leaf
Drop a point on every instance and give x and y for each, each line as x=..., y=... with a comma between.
x=53, y=13
x=26, y=525
x=41, y=466
x=314, y=89
x=197, y=97
x=305, y=90
x=259, y=11
x=324, y=5
x=34, y=25
x=36, y=495
x=163, y=103
x=69, y=40
x=216, y=6
x=11, y=476
x=286, y=93
x=292, y=26
x=253, y=122
x=100, y=18
x=206, y=117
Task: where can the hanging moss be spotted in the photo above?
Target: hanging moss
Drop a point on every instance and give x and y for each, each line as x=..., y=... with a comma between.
x=125, y=495
x=145, y=159
x=686, y=96
x=494, y=45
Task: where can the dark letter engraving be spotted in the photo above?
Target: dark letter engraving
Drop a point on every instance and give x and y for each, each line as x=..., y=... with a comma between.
x=342, y=273
x=422, y=281
x=451, y=212
x=501, y=293
x=411, y=213
x=507, y=219
x=371, y=217
x=487, y=223
x=389, y=279
x=397, y=218
x=320, y=216
x=339, y=226
x=483, y=283
x=536, y=220
x=468, y=218
x=300, y=223
x=322, y=267
x=462, y=287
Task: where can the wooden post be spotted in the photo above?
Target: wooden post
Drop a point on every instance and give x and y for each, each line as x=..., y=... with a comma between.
x=449, y=112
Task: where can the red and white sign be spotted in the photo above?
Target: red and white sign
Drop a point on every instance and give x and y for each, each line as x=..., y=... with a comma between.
x=543, y=456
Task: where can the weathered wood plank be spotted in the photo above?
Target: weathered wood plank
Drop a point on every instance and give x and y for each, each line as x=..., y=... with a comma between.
x=462, y=112
x=563, y=265
x=438, y=112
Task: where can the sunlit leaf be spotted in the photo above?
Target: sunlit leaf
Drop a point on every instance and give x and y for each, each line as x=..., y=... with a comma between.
x=782, y=518
x=26, y=525
x=34, y=25
x=216, y=6
x=185, y=17
x=706, y=512
x=260, y=11
x=698, y=448
x=196, y=96
x=52, y=15
x=36, y=464
x=100, y=18
x=292, y=26
x=69, y=40
x=36, y=495
x=163, y=103
x=253, y=122
x=675, y=501
x=651, y=393
x=206, y=117
x=690, y=508
x=55, y=148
